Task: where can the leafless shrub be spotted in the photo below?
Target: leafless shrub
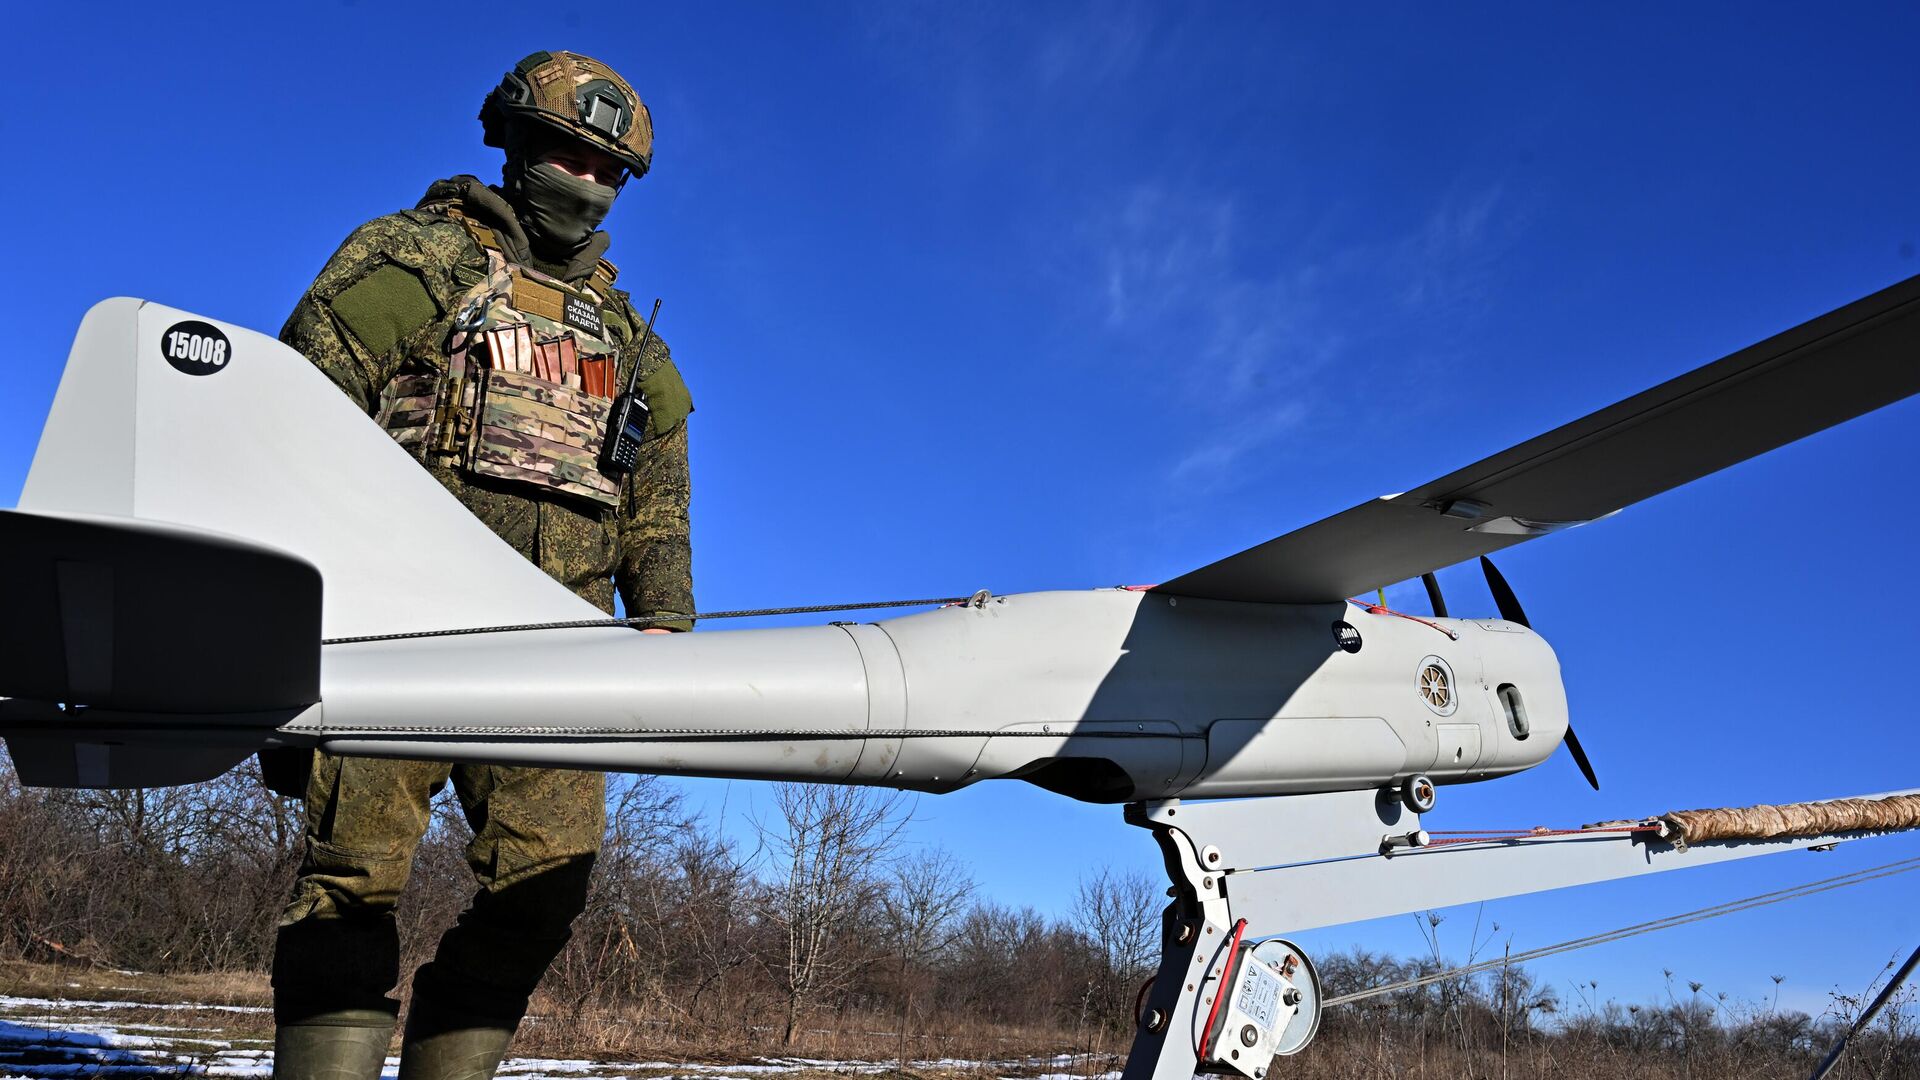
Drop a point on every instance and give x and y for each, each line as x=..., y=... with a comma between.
x=1119, y=914
x=186, y=878
x=828, y=933
x=920, y=911
x=825, y=856
x=626, y=941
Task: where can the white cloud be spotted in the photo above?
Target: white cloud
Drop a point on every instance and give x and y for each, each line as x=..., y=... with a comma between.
x=1104, y=46
x=1450, y=258
x=1212, y=460
x=999, y=63
x=1240, y=342
x=1268, y=320
x=1258, y=348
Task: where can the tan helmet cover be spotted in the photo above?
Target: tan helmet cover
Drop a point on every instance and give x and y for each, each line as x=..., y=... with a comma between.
x=577, y=96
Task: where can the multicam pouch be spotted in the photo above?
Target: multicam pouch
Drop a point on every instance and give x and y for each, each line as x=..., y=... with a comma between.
x=525, y=355
x=407, y=408
x=540, y=432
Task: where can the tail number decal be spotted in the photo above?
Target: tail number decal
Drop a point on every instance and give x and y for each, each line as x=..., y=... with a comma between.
x=195, y=347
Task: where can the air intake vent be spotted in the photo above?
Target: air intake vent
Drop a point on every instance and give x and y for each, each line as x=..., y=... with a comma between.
x=1437, y=685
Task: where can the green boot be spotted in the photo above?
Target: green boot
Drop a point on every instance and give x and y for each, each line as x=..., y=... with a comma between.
x=349, y=1045
x=442, y=1051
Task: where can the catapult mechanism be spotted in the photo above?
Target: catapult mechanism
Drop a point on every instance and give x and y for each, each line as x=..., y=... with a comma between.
x=1232, y=998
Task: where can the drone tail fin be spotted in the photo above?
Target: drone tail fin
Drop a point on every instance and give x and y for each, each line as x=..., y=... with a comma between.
x=195, y=485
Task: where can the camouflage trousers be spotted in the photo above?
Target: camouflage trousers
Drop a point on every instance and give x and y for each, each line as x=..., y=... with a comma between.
x=535, y=835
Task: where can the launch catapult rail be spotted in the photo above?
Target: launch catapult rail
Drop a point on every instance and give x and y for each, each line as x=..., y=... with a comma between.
x=1762, y=821
x=1306, y=862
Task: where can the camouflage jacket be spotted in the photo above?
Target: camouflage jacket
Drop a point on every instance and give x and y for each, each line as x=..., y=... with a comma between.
x=383, y=306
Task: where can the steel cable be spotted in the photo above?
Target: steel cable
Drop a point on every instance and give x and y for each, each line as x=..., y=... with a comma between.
x=1761, y=900
x=654, y=620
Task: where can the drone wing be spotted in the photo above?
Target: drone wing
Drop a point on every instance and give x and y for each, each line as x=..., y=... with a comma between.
x=1833, y=368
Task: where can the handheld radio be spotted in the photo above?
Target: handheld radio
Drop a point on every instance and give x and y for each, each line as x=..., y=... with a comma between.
x=627, y=423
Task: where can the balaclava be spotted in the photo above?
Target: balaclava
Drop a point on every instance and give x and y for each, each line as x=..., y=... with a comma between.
x=559, y=212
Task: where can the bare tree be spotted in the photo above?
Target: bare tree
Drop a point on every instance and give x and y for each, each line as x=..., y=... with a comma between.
x=707, y=904
x=614, y=952
x=922, y=906
x=824, y=878
x=1119, y=912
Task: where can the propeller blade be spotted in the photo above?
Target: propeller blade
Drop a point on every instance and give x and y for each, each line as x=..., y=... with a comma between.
x=1503, y=597
x=1580, y=758
x=1510, y=610
x=1433, y=594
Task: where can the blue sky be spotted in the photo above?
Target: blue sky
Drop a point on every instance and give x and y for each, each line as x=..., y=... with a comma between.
x=1030, y=296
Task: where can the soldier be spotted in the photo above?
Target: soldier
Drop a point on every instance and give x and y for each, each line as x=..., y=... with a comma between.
x=483, y=330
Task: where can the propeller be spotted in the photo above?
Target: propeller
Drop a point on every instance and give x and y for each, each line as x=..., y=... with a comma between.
x=1433, y=594
x=1511, y=611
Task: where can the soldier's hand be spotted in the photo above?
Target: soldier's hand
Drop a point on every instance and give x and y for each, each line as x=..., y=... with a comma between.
x=655, y=630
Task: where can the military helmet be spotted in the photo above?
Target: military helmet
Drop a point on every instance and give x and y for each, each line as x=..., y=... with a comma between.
x=575, y=96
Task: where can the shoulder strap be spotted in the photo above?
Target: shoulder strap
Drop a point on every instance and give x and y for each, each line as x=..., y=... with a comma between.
x=488, y=240
x=455, y=399
x=603, y=277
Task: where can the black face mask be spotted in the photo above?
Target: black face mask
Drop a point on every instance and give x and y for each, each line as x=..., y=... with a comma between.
x=558, y=211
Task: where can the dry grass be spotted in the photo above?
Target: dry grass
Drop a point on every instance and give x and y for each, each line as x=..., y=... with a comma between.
x=631, y=1032
x=644, y=1043
x=234, y=1007
x=27, y=979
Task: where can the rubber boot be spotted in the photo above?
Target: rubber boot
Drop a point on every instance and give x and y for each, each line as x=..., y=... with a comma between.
x=348, y=1045
x=434, y=1049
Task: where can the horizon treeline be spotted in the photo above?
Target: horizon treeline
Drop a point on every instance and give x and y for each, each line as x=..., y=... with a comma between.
x=824, y=930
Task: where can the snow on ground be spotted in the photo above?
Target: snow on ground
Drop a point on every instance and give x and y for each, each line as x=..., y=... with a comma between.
x=12, y=1004
x=74, y=1039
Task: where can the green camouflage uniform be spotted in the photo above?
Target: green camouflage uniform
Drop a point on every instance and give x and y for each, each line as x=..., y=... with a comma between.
x=382, y=307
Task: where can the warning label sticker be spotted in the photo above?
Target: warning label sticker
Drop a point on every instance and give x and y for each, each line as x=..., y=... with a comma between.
x=1259, y=996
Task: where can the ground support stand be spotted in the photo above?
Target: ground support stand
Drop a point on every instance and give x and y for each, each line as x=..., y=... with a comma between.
x=1217, y=855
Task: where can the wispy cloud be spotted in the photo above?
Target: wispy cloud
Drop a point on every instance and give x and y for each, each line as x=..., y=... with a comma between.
x=1257, y=348
x=999, y=62
x=1243, y=344
x=1266, y=321
x=1213, y=459
x=1450, y=259
x=1092, y=51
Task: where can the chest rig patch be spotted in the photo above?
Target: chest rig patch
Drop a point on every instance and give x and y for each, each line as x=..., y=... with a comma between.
x=528, y=384
x=583, y=316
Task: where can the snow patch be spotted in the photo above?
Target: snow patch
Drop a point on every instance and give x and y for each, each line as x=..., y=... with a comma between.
x=54, y=1039
x=10, y=1003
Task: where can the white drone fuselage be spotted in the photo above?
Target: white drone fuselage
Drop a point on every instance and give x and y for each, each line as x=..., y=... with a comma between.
x=1105, y=695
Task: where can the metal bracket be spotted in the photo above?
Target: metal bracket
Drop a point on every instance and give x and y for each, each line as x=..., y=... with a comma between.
x=1209, y=849
x=1193, y=939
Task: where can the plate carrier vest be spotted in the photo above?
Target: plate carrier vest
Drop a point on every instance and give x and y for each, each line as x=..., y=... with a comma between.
x=529, y=382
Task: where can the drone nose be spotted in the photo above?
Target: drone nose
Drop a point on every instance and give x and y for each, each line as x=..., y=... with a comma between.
x=1510, y=610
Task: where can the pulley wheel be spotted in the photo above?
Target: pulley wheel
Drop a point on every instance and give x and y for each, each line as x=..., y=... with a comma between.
x=1291, y=962
x=1419, y=794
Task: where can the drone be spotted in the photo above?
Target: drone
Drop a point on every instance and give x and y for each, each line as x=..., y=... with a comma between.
x=217, y=554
